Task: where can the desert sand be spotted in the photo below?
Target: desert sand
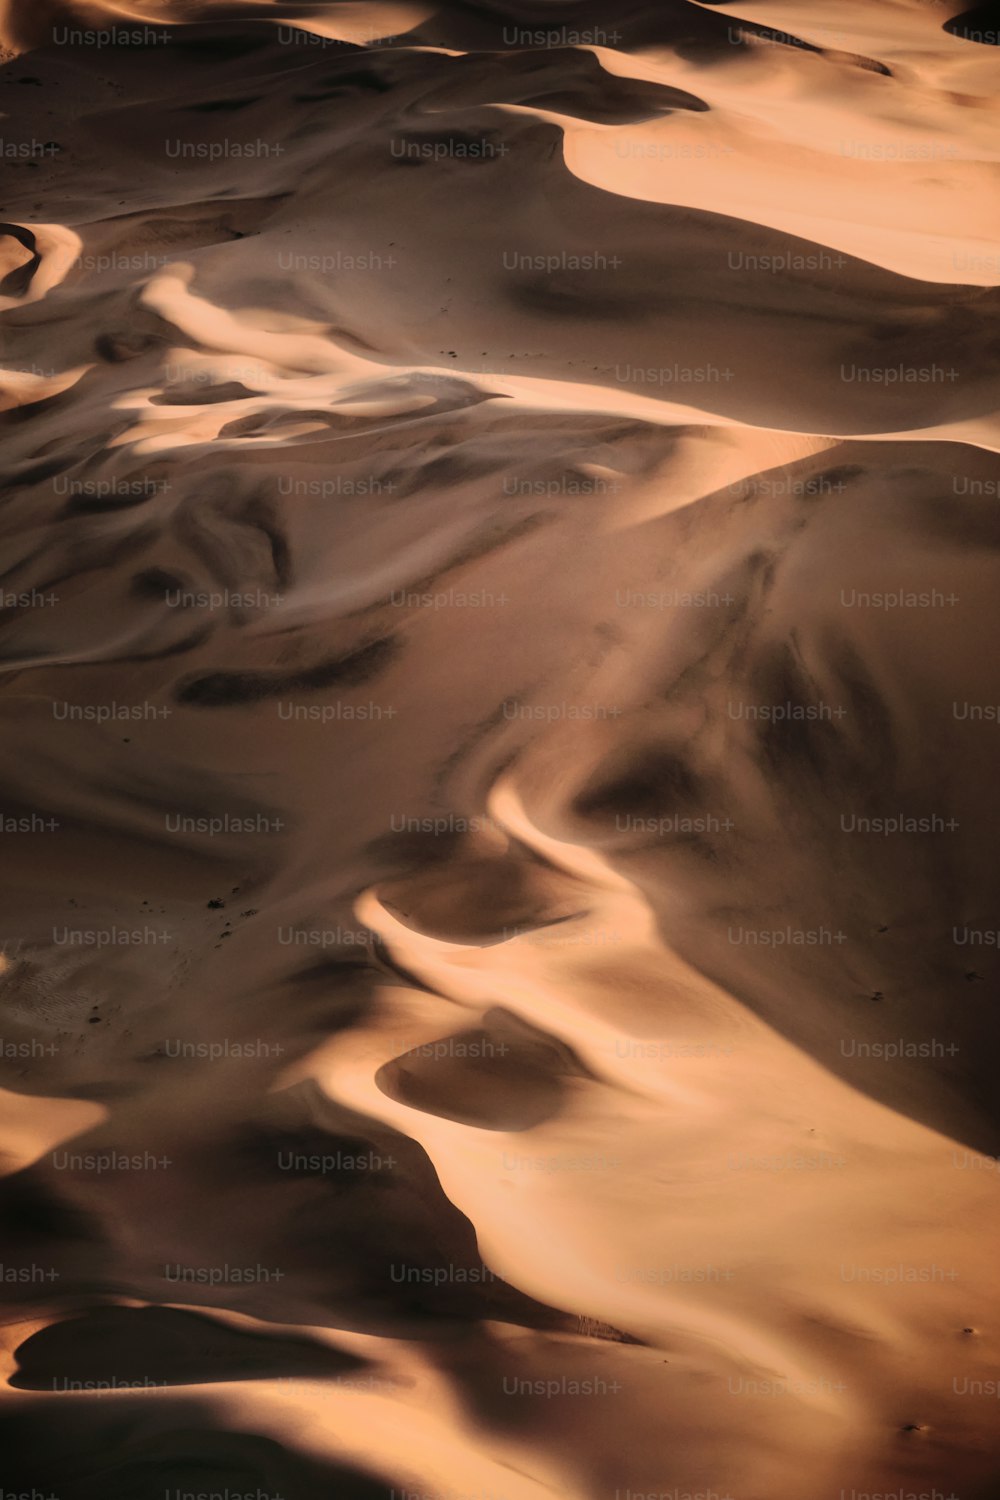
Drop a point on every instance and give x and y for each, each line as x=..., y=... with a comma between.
x=500, y=909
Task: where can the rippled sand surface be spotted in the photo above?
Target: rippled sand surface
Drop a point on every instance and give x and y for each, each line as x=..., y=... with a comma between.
x=500, y=906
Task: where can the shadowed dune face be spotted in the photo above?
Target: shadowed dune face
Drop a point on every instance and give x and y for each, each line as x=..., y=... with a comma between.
x=172, y=1451
x=128, y=1344
x=500, y=914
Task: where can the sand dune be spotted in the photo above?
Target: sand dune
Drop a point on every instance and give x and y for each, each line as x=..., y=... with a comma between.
x=500, y=924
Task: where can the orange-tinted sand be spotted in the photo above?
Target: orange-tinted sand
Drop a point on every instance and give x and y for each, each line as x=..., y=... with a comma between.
x=500, y=908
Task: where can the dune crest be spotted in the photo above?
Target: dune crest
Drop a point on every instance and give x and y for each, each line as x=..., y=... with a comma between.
x=500, y=917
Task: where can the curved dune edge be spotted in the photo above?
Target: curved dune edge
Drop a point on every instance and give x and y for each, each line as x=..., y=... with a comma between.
x=454, y=1046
